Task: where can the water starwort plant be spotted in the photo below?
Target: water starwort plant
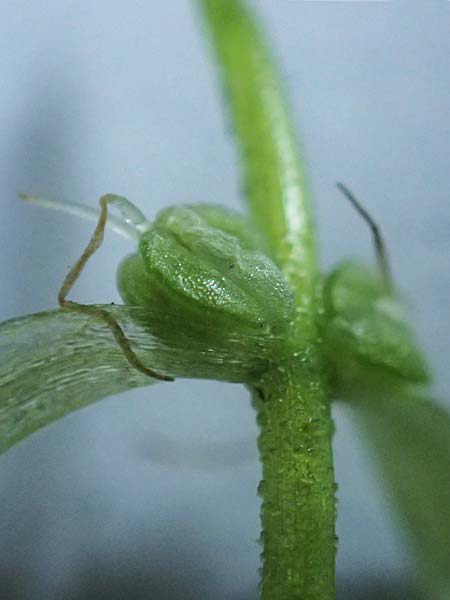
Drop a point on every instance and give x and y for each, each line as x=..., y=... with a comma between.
x=239, y=297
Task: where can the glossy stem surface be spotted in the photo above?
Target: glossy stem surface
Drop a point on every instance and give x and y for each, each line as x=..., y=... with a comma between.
x=298, y=511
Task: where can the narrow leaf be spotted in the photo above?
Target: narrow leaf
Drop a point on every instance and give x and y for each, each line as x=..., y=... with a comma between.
x=55, y=362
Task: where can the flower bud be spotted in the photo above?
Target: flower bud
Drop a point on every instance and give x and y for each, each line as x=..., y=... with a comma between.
x=204, y=271
x=366, y=324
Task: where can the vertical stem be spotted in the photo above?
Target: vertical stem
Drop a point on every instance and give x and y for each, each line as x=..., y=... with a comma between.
x=298, y=512
x=274, y=180
x=297, y=487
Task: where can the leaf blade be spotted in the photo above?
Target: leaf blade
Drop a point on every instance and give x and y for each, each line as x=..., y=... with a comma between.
x=55, y=362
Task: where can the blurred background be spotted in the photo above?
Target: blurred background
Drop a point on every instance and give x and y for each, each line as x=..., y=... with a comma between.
x=152, y=494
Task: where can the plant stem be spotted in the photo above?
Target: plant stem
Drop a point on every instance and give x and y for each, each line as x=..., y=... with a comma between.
x=297, y=487
x=298, y=512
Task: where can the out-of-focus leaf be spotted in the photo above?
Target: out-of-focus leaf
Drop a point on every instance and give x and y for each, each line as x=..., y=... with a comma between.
x=411, y=439
x=54, y=362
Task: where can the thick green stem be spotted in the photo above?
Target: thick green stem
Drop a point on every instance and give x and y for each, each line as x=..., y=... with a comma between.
x=297, y=487
x=298, y=512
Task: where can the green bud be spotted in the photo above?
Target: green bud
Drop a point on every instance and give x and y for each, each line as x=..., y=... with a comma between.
x=365, y=324
x=204, y=269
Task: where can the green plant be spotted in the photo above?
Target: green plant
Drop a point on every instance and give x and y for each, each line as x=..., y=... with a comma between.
x=343, y=335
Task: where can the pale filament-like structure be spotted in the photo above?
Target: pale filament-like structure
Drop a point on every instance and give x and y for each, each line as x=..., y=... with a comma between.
x=132, y=226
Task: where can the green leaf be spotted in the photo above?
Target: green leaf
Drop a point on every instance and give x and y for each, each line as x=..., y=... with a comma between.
x=411, y=438
x=55, y=362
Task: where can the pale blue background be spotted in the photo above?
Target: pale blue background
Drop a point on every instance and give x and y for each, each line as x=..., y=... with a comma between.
x=121, y=97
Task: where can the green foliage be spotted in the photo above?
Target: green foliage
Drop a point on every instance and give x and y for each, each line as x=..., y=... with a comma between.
x=209, y=295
